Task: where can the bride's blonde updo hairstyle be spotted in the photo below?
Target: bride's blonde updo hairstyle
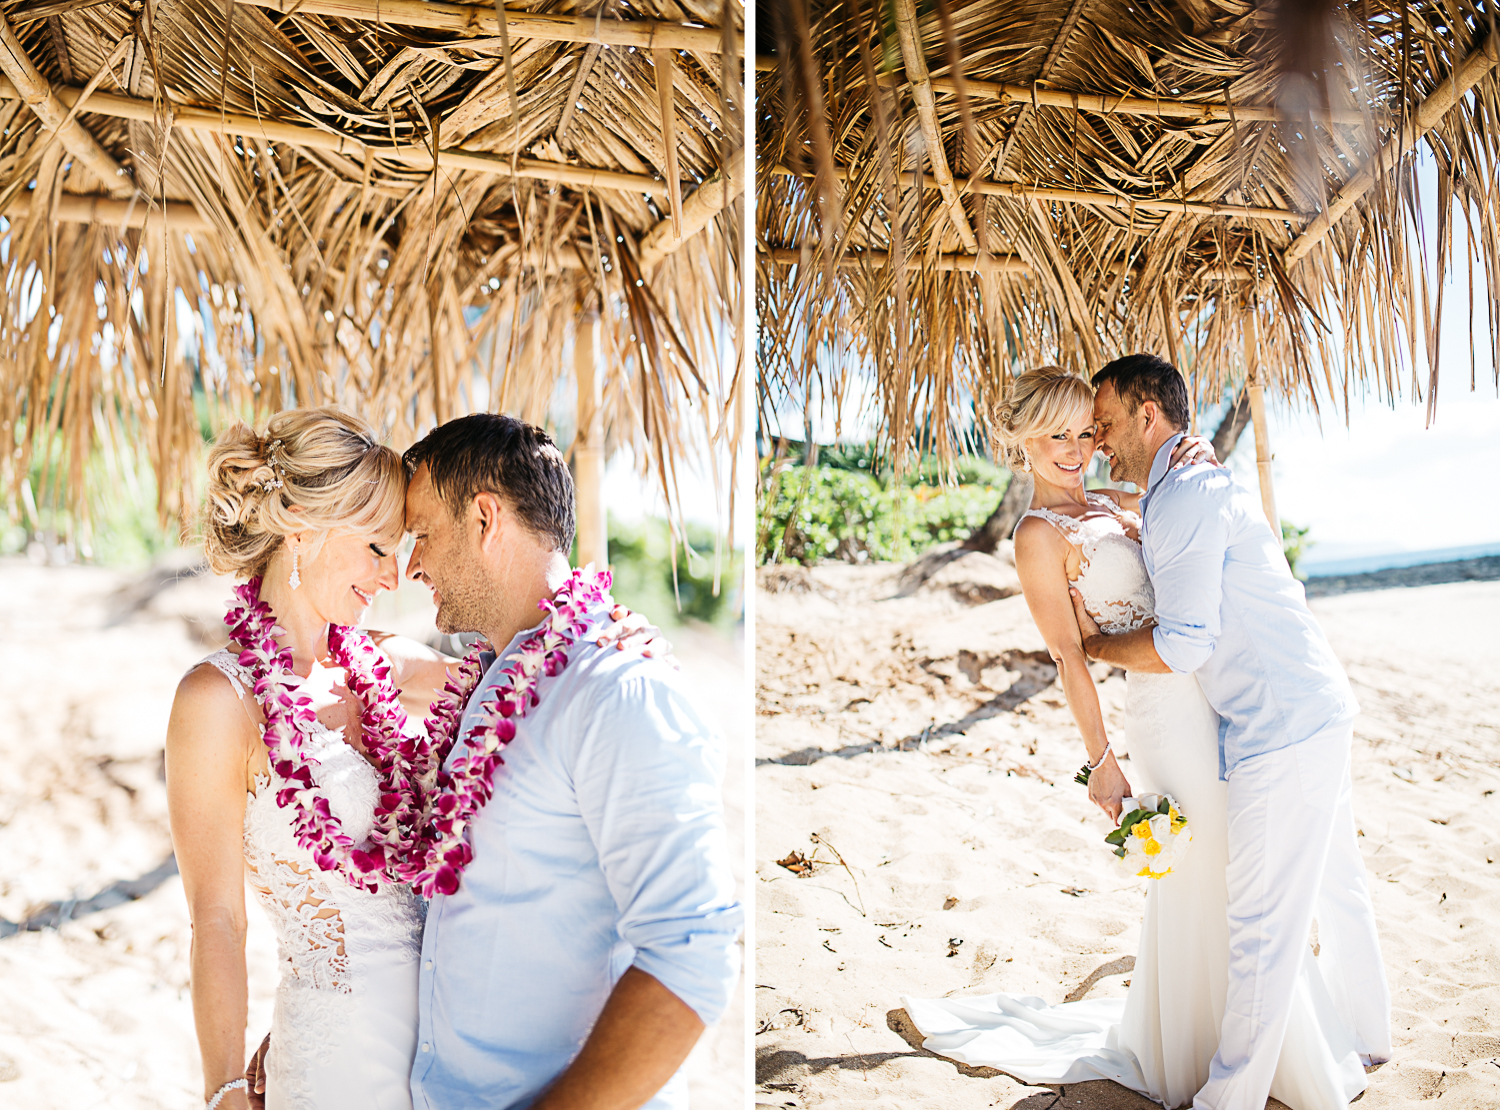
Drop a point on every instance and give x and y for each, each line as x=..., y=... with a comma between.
x=1041, y=402
x=312, y=470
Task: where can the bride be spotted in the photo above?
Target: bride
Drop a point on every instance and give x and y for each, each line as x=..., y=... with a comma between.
x=1160, y=1039
x=314, y=511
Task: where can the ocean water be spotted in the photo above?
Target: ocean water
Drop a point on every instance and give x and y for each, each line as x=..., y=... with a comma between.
x=1342, y=563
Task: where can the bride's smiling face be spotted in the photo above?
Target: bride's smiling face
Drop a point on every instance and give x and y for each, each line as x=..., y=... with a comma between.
x=1062, y=458
x=349, y=569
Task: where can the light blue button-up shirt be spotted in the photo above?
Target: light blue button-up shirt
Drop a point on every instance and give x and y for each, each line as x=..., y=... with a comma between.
x=1228, y=609
x=603, y=847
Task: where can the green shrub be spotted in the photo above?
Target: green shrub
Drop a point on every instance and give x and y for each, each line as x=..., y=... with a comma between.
x=640, y=555
x=1295, y=544
x=834, y=513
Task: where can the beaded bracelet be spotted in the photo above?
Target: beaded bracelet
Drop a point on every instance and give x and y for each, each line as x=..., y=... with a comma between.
x=1102, y=757
x=232, y=1085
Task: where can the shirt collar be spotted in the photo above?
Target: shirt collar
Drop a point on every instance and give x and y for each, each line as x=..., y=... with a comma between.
x=1162, y=462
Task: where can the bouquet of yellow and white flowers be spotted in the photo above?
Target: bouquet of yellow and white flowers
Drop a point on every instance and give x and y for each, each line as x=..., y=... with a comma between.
x=1152, y=835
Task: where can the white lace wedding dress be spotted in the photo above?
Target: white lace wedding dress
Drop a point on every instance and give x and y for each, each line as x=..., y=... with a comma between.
x=1160, y=1039
x=345, y=1025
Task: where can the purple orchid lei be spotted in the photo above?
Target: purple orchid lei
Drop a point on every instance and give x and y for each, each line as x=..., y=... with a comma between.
x=422, y=807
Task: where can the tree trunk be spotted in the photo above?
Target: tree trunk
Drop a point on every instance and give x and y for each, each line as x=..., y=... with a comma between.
x=1235, y=421
x=1003, y=520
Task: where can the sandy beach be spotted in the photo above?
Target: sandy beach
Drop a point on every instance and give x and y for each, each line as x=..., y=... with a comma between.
x=96, y=1010
x=919, y=832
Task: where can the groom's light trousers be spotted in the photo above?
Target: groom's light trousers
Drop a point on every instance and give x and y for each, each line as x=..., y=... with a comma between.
x=1293, y=853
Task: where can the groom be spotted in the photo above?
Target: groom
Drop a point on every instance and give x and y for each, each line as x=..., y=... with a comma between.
x=595, y=933
x=1229, y=610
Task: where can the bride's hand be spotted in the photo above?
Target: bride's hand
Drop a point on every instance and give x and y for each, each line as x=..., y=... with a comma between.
x=634, y=627
x=1108, y=788
x=1193, y=449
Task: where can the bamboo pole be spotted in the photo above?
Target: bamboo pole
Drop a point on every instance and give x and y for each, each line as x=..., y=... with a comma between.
x=481, y=20
x=588, y=444
x=712, y=197
x=1427, y=116
x=1020, y=191
x=113, y=212
x=1158, y=108
x=1255, y=390
x=213, y=121
x=948, y=263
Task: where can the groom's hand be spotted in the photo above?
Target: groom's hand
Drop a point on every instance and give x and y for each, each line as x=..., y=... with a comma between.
x=1087, y=627
x=255, y=1076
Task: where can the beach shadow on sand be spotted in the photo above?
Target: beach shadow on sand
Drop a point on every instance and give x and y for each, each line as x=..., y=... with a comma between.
x=54, y=914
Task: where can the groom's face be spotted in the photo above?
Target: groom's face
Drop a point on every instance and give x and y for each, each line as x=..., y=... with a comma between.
x=1121, y=437
x=445, y=557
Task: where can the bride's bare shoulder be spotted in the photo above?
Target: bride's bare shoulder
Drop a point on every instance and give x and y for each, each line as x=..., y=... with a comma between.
x=1038, y=539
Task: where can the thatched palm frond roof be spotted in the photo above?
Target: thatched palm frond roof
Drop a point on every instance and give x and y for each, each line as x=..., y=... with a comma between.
x=398, y=206
x=957, y=190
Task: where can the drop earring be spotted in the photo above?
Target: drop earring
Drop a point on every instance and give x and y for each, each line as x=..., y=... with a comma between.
x=296, y=579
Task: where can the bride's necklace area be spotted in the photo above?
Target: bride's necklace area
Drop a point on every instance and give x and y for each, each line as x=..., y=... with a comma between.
x=422, y=808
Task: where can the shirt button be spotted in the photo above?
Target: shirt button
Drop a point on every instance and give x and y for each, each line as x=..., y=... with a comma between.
x=426, y=1047
x=427, y=965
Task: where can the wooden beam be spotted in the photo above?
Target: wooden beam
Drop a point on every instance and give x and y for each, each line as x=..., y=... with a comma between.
x=666, y=69
x=1021, y=191
x=113, y=212
x=945, y=263
x=481, y=20
x=212, y=121
x=712, y=197
x=915, y=63
x=29, y=85
x=1427, y=116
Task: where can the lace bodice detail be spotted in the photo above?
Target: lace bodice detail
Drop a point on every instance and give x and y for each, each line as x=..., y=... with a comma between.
x=1112, y=574
x=323, y=925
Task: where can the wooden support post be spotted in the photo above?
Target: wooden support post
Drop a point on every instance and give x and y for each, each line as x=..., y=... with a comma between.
x=588, y=444
x=1255, y=390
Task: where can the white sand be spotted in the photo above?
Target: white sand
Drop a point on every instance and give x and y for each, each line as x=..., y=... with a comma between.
x=990, y=824
x=97, y=1013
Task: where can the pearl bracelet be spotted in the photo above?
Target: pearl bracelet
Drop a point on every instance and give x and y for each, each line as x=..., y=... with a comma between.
x=232, y=1085
x=1102, y=757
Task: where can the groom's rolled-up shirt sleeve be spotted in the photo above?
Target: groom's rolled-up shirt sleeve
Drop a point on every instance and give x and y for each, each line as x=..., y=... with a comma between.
x=648, y=785
x=1185, y=549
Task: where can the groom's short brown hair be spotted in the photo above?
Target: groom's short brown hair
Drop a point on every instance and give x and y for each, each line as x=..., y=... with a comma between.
x=1141, y=378
x=514, y=460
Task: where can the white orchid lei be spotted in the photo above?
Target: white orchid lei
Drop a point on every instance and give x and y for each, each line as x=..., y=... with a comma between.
x=423, y=808
x=1152, y=836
